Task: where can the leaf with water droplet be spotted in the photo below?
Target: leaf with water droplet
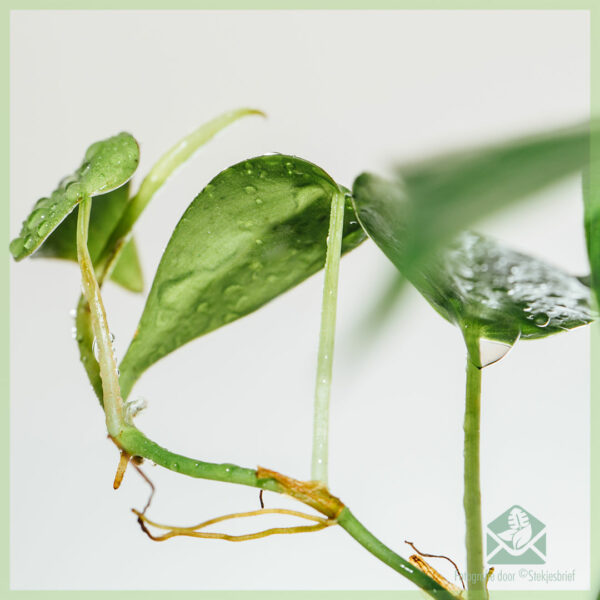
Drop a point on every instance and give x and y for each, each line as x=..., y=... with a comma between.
x=107, y=165
x=106, y=212
x=497, y=293
x=230, y=255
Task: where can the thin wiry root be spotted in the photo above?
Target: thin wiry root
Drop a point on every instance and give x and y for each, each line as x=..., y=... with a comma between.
x=194, y=531
x=438, y=556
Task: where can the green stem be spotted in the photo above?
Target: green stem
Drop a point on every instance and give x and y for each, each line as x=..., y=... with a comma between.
x=155, y=179
x=135, y=443
x=111, y=393
x=476, y=584
x=358, y=531
x=326, y=341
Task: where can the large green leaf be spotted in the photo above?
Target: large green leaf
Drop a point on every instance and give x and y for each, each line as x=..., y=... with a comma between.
x=500, y=294
x=473, y=281
x=451, y=191
x=107, y=165
x=106, y=212
x=256, y=230
x=591, y=197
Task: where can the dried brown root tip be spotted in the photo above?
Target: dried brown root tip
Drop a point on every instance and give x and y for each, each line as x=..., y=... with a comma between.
x=312, y=493
x=424, y=566
x=260, y=499
x=487, y=577
x=424, y=554
x=123, y=462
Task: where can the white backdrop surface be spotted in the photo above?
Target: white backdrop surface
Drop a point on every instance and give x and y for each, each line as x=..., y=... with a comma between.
x=349, y=91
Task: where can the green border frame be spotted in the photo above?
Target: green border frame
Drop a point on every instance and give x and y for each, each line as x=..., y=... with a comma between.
x=7, y=6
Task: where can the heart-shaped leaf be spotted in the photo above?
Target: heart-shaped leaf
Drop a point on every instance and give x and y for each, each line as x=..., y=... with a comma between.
x=106, y=212
x=256, y=230
x=107, y=165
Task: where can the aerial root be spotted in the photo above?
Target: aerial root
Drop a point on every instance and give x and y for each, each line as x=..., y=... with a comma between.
x=121, y=468
x=194, y=531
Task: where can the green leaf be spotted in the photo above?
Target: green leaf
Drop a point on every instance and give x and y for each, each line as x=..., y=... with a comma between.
x=127, y=271
x=591, y=198
x=256, y=230
x=106, y=212
x=107, y=166
x=494, y=292
x=451, y=191
x=478, y=283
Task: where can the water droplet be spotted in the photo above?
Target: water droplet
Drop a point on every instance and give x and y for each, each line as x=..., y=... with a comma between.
x=250, y=189
x=541, y=320
x=29, y=242
x=203, y=307
x=35, y=218
x=245, y=225
x=73, y=313
x=232, y=290
x=16, y=246
x=44, y=228
x=491, y=351
x=74, y=332
x=42, y=203
x=172, y=290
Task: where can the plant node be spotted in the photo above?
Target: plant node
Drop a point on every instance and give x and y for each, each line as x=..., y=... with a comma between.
x=426, y=568
x=312, y=493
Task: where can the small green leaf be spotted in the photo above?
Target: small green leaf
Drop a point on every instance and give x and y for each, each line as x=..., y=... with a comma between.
x=106, y=212
x=128, y=271
x=107, y=165
x=256, y=230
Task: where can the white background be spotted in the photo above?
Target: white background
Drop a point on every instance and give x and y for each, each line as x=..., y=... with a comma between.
x=349, y=91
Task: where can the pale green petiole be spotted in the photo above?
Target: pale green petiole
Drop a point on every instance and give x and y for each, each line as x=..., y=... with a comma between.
x=111, y=392
x=326, y=341
x=160, y=172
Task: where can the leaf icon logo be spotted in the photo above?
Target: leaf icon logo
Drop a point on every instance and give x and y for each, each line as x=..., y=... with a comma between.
x=519, y=532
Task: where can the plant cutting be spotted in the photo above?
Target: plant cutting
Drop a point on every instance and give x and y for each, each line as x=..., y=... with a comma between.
x=266, y=224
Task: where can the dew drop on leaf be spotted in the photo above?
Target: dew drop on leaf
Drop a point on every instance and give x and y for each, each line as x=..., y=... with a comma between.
x=491, y=351
x=541, y=320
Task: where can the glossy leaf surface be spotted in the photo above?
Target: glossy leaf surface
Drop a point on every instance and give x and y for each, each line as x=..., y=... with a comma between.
x=476, y=282
x=258, y=229
x=107, y=165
